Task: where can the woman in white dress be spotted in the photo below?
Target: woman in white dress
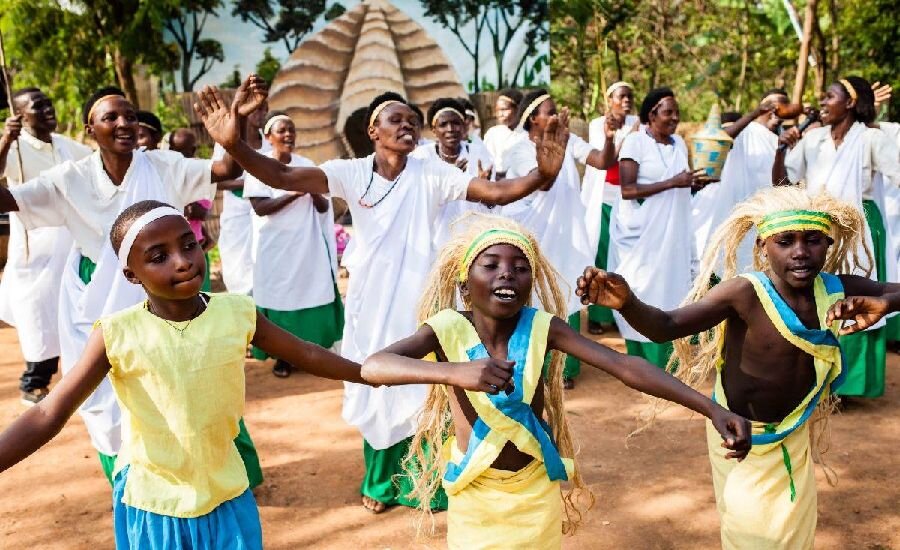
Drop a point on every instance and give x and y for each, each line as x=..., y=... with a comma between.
x=600, y=188
x=497, y=138
x=843, y=158
x=650, y=232
x=295, y=284
x=447, y=120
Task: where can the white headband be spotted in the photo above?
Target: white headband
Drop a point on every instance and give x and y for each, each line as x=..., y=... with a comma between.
x=272, y=122
x=615, y=86
x=138, y=225
x=531, y=107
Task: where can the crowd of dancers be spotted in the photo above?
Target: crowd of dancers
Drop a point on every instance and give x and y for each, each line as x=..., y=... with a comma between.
x=469, y=267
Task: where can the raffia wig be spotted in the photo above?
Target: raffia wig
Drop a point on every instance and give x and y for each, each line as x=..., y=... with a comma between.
x=424, y=462
x=693, y=361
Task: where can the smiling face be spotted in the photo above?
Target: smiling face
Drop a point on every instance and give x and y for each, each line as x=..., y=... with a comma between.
x=38, y=114
x=500, y=281
x=836, y=105
x=396, y=129
x=114, y=125
x=622, y=100
x=449, y=129
x=282, y=135
x=665, y=116
x=167, y=260
x=796, y=257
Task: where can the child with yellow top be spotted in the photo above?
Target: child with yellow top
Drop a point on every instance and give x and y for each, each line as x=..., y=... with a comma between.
x=771, y=337
x=176, y=363
x=507, y=441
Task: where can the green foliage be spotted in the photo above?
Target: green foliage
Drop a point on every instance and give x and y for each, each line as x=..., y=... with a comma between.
x=184, y=20
x=334, y=11
x=171, y=114
x=54, y=50
x=729, y=51
x=293, y=20
x=501, y=20
x=268, y=66
x=234, y=80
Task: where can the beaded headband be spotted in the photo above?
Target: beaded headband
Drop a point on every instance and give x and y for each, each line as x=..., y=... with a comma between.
x=793, y=220
x=488, y=239
x=443, y=110
x=94, y=105
x=849, y=87
x=615, y=86
x=531, y=107
x=377, y=110
x=271, y=122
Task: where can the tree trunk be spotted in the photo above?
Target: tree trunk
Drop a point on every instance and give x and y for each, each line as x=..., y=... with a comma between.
x=125, y=76
x=803, y=58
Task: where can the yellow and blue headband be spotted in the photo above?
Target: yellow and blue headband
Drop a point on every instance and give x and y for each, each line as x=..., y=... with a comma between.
x=488, y=239
x=793, y=220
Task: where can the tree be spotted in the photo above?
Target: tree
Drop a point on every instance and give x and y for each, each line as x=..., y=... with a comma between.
x=295, y=18
x=234, y=80
x=55, y=50
x=268, y=66
x=185, y=21
x=502, y=20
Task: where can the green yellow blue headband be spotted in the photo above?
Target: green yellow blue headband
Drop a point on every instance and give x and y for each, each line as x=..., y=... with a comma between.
x=488, y=239
x=793, y=220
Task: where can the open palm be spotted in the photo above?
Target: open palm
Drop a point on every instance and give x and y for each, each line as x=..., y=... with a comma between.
x=551, y=146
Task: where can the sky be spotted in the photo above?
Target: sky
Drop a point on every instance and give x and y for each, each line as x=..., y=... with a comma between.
x=243, y=43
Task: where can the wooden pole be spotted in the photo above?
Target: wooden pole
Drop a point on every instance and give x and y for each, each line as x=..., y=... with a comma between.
x=9, y=100
x=803, y=58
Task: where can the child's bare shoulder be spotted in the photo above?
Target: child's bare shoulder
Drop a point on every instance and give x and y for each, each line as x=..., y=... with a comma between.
x=734, y=291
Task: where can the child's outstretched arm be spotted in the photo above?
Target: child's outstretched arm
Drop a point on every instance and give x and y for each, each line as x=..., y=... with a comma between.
x=639, y=374
x=866, y=303
x=42, y=422
x=312, y=358
x=400, y=363
x=611, y=290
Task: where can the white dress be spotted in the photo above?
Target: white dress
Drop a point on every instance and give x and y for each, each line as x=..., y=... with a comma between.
x=652, y=239
x=747, y=170
x=35, y=261
x=296, y=255
x=496, y=140
x=473, y=153
x=556, y=216
x=388, y=259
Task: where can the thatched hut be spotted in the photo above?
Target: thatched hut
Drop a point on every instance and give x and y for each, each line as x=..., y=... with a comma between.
x=327, y=83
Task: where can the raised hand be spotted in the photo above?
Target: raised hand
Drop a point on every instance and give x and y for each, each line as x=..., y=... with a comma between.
x=221, y=123
x=250, y=95
x=735, y=432
x=789, y=137
x=603, y=288
x=882, y=94
x=551, y=147
x=13, y=128
x=612, y=123
x=484, y=375
x=865, y=311
x=484, y=173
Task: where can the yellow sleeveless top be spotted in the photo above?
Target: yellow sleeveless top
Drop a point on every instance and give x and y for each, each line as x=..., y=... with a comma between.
x=182, y=396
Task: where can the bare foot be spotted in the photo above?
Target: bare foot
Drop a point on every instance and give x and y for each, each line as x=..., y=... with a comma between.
x=373, y=505
x=595, y=328
x=568, y=383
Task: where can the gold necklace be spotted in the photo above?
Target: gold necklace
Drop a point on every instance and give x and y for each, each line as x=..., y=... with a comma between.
x=172, y=324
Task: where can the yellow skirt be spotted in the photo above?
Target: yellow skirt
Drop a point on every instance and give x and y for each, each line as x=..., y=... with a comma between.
x=503, y=509
x=753, y=497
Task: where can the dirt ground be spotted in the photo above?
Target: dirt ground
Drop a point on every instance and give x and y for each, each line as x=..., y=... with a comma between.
x=652, y=493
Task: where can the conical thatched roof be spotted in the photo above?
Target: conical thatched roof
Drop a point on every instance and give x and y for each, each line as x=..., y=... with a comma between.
x=371, y=49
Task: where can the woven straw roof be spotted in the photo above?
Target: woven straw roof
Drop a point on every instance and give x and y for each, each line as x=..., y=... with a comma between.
x=370, y=49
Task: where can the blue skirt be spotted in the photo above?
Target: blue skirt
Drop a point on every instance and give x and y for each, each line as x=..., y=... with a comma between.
x=232, y=525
